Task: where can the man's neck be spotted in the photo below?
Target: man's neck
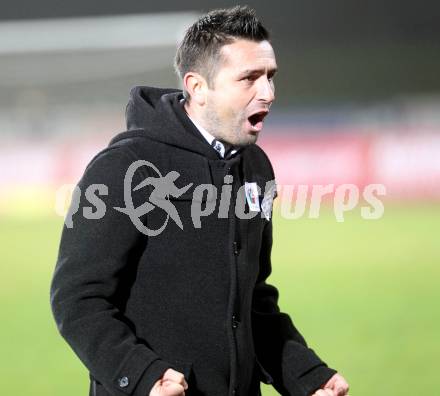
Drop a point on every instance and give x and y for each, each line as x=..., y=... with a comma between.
x=211, y=139
x=193, y=114
x=197, y=122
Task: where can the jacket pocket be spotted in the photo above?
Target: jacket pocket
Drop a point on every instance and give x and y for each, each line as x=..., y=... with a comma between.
x=183, y=367
x=97, y=389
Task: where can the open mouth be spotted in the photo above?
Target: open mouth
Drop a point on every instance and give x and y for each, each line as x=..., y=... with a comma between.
x=256, y=120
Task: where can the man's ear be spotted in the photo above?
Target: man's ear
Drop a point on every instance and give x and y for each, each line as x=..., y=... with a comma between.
x=196, y=86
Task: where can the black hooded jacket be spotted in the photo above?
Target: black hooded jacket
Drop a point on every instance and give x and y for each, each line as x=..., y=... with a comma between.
x=193, y=297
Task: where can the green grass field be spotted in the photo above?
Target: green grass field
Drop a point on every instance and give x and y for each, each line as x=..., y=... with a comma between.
x=364, y=294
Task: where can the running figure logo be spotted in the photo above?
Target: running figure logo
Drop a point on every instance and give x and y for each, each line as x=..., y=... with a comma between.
x=164, y=188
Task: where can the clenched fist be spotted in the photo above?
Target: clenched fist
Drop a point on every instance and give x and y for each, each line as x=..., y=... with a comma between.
x=172, y=383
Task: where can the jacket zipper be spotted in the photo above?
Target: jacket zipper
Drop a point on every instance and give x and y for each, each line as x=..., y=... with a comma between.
x=233, y=320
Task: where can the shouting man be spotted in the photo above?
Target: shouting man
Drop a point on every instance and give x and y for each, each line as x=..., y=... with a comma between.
x=187, y=310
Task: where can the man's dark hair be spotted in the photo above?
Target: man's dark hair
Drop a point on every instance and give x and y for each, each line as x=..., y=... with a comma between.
x=199, y=51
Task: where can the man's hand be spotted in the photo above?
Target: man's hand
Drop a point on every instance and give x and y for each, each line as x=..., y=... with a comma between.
x=172, y=383
x=335, y=386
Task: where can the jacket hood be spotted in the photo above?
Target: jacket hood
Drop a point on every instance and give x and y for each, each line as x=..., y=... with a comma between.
x=143, y=105
x=154, y=111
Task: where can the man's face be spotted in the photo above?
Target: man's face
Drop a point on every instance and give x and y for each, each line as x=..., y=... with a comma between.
x=241, y=93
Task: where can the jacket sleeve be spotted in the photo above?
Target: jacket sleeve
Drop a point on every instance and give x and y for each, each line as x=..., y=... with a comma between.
x=91, y=277
x=295, y=368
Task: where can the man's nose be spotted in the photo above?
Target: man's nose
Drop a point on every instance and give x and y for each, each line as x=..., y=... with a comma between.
x=266, y=90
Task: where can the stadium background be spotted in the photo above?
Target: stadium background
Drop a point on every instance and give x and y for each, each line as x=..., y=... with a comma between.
x=358, y=100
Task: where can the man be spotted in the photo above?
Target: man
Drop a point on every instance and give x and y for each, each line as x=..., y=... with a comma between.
x=187, y=310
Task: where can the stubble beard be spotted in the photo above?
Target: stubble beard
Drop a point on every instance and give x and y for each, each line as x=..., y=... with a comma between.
x=229, y=132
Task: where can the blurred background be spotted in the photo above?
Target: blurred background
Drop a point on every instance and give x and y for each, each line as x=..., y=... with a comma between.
x=358, y=102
